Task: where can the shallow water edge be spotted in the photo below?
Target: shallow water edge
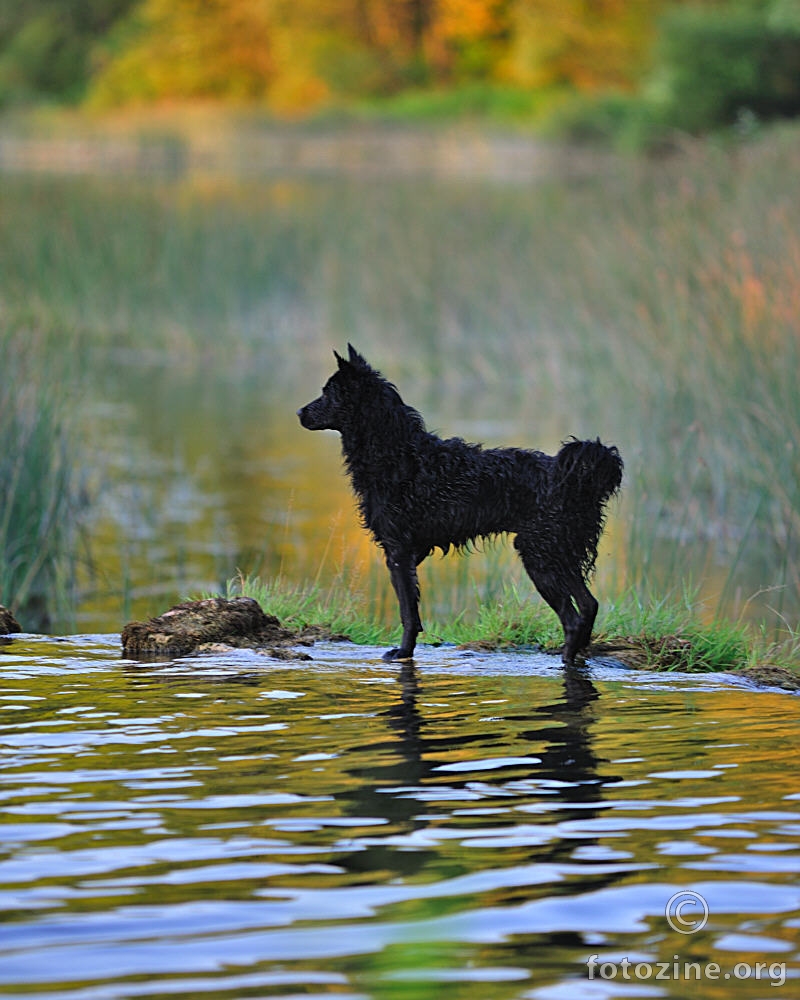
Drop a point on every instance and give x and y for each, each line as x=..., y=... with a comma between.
x=29, y=652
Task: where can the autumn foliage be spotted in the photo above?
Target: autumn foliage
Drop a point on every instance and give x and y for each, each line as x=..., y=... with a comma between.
x=688, y=64
x=301, y=53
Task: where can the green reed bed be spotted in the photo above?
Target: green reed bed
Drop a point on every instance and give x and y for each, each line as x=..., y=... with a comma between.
x=652, y=303
x=185, y=270
x=39, y=485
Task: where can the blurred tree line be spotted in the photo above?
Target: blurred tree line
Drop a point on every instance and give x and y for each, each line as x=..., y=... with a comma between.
x=47, y=46
x=700, y=64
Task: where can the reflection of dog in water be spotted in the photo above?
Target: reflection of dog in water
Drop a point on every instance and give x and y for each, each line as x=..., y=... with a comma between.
x=417, y=492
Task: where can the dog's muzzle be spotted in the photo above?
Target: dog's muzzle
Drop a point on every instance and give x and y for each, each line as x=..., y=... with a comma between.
x=310, y=419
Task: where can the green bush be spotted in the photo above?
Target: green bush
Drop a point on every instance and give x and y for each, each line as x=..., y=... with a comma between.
x=46, y=46
x=718, y=63
x=715, y=66
x=625, y=121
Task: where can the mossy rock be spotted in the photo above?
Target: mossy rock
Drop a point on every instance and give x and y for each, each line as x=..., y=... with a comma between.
x=772, y=676
x=8, y=623
x=212, y=625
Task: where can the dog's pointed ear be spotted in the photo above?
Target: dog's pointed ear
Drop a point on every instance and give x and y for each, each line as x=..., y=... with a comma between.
x=356, y=359
x=339, y=359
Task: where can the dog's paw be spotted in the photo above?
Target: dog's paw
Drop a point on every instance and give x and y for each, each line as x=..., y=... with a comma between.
x=398, y=655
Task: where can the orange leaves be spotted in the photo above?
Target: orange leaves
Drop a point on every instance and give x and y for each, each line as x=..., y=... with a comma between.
x=458, y=20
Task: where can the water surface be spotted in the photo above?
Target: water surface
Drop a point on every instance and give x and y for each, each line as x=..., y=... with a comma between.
x=229, y=826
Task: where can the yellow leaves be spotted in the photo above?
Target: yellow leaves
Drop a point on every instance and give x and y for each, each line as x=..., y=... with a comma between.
x=296, y=86
x=193, y=48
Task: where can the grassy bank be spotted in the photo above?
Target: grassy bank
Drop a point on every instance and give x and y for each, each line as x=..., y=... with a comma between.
x=669, y=635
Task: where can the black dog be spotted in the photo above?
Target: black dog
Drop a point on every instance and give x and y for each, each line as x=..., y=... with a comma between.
x=417, y=492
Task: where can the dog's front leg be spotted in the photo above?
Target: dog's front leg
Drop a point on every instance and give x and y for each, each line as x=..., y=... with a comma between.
x=403, y=571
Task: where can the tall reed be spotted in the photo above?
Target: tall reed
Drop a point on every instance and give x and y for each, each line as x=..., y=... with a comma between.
x=39, y=497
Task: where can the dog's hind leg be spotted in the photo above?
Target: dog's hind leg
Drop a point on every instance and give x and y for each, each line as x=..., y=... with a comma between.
x=560, y=601
x=587, y=606
x=403, y=571
x=553, y=587
x=578, y=632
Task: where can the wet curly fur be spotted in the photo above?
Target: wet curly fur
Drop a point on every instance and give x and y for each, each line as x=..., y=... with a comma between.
x=417, y=492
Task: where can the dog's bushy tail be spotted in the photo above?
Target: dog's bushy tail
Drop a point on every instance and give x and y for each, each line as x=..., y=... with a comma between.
x=586, y=475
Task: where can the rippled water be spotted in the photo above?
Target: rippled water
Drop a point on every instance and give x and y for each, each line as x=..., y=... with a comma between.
x=478, y=826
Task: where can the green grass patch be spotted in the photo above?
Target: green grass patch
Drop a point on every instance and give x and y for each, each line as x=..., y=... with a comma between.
x=338, y=609
x=662, y=635
x=671, y=634
x=483, y=103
